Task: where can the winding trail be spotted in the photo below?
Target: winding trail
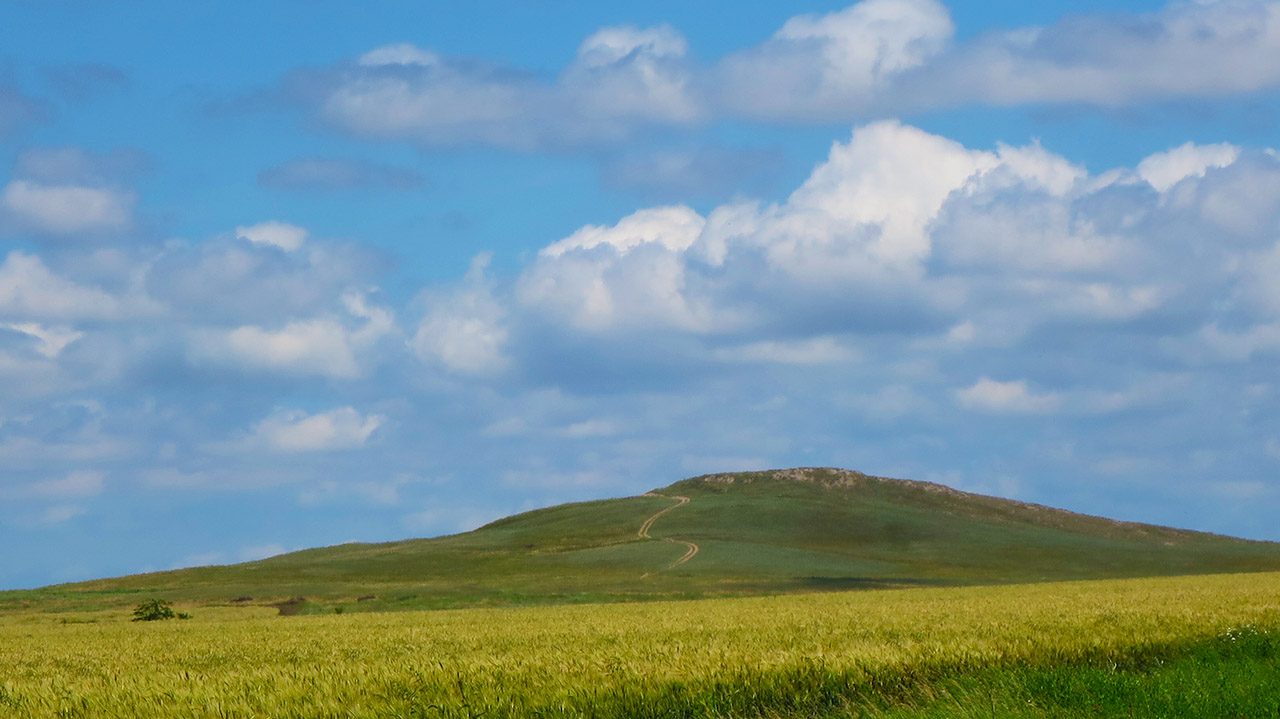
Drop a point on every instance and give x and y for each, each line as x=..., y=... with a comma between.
x=648, y=524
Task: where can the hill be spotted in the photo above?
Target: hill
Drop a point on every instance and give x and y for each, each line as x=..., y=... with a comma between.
x=724, y=534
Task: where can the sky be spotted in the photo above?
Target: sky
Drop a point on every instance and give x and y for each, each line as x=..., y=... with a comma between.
x=290, y=274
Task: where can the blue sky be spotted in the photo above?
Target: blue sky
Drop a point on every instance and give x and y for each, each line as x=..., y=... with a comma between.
x=279, y=275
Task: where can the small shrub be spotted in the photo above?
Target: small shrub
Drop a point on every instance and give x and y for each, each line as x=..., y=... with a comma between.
x=152, y=610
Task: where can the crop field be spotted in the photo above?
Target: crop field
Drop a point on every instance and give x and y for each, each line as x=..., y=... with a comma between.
x=976, y=651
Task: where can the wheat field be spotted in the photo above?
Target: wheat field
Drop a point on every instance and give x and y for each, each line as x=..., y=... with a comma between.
x=774, y=656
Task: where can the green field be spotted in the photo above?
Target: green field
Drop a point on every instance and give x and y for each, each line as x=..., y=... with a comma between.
x=1198, y=646
x=786, y=531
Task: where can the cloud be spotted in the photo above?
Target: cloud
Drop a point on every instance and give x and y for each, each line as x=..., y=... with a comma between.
x=1012, y=397
x=55, y=515
x=623, y=78
x=835, y=65
x=65, y=210
x=1163, y=170
x=295, y=431
x=229, y=279
x=590, y=428
x=30, y=291
x=464, y=330
x=52, y=340
x=814, y=351
x=277, y=234
x=312, y=174
x=1198, y=49
x=74, y=485
x=675, y=228
x=325, y=346
x=872, y=59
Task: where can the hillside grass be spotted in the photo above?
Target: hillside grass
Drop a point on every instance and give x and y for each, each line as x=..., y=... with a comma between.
x=1201, y=646
x=784, y=531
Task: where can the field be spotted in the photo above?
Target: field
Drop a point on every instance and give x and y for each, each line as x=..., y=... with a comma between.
x=1173, y=646
x=756, y=533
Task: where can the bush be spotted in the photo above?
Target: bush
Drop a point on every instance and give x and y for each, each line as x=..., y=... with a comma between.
x=153, y=609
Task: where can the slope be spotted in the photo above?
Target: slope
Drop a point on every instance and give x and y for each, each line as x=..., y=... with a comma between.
x=744, y=533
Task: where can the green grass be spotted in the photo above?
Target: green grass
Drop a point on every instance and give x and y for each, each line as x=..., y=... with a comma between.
x=1236, y=674
x=759, y=533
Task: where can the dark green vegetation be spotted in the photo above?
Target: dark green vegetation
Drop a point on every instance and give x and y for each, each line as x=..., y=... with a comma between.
x=154, y=610
x=761, y=532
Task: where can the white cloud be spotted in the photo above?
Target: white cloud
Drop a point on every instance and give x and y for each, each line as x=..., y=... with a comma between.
x=833, y=65
x=675, y=228
x=813, y=351
x=29, y=290
x=590, y=428
x=465, y=330
x=1013, y=397
x=277, y=234
x=52, y=340
x=66, y=209
x=874, y=58
x=889, y=178
x=399, y=54
x=74, y=485
x=57, y=514
x=294, y=431
x=80, y=484
x=325, y=346
x=622, y=78
x=633, y=73
x=1166, y=169
x=309, y=347
x=1187, y=49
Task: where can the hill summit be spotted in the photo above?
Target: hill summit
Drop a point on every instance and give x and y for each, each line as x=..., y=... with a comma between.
x=737, y=533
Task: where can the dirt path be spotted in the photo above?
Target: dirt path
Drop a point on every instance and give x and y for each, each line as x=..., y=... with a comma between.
x=648, y=523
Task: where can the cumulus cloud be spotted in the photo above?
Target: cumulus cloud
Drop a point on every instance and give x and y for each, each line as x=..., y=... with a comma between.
x=52, y=340
x=293, y=431
x=1163, y=170
x=874, y=58
x=29, y=290
x=65, y=210
x=235, y=279
x=1200, y=49
x=621, y=79
x=80, y=484
x=277, y=234
x=899, y=234
x=325, y=346
x=331, y=174
x=674, y=228
x=464, y=330
x=814, y=351
x=834, y=65
x=1012, y=397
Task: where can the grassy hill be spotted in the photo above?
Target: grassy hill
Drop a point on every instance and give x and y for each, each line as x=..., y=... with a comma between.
x=745, y=533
